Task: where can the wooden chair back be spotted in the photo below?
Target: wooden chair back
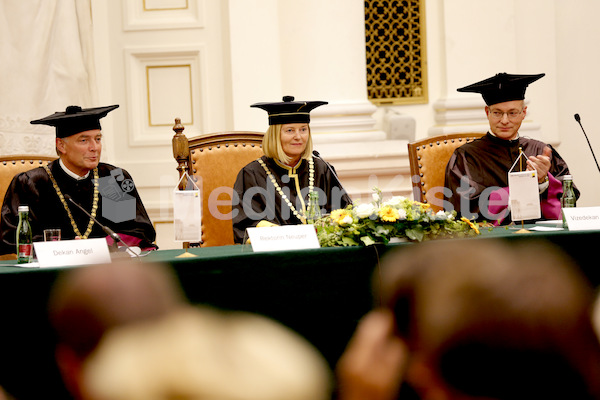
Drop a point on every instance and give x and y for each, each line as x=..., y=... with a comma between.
x=215, y=159
x=428, y=159
x=13, y=165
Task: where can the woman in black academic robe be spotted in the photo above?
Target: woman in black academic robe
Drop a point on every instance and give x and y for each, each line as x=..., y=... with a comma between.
x=274, y=189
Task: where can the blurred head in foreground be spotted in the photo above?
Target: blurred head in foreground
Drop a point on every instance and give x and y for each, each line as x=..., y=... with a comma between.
x=199, y=353
x=492, y=320
x=87, y=302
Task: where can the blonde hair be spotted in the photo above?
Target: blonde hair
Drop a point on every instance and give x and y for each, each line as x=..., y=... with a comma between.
x=272, y=144
x=198, y=353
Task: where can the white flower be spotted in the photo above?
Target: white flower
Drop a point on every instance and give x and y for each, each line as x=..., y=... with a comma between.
x=444, y=215
x=376, y=197
x=401, y=213
x=347, y=220
x=395, y=201
x=365, y=210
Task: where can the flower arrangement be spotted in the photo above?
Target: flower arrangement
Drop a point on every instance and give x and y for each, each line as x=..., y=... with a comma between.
x=380, y=221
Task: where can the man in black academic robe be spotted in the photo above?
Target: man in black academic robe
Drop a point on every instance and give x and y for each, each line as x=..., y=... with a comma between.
x=477, y=173
x=104, y=191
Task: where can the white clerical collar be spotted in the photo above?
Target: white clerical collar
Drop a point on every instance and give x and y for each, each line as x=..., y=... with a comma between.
x=71, y=173
x=510, y=140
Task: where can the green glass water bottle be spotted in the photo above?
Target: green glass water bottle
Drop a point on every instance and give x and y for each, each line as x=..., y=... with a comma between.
x=314, y=210
x=24, y=237
x=568, y=198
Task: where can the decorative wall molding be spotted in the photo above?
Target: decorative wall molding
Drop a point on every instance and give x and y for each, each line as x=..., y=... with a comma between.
x=11, y=124
x=453, y=115
x=164, y=83
x=172, y=81
x=349, y=121
x=344, y=116
x=162, y=14
x=18, y=136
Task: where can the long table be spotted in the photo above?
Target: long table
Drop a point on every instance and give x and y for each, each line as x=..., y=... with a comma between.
x=319, y=293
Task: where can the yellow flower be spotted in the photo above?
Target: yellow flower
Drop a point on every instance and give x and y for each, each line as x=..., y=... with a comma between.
x=388, y=214
x=341, y=216
x=424, y=206
x=336, y=214
x=471, y=224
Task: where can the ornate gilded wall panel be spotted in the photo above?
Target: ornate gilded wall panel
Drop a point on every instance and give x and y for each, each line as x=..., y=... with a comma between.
x=396, y=51
x=164, y=83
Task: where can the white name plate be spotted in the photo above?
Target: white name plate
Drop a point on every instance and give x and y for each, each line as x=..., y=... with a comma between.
x=287, y=237
x=582, y=218
x=72, y=252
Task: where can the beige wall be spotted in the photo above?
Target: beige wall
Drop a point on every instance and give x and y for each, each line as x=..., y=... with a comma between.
x=578, y=57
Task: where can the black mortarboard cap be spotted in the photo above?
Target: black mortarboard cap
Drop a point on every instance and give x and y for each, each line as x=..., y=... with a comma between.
x=75, y=119
x=289, y=111
x=502, y=87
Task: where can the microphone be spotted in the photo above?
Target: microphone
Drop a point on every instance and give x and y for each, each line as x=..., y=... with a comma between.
x=115, y=236
x=578, y=119
x=316, y=154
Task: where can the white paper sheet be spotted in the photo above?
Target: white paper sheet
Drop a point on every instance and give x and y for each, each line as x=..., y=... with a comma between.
x=187, y=213
x=524, y=195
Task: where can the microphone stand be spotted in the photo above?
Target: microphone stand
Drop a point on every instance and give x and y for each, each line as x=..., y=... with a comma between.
x=115, y=236
x=578, y=119
x=316, y=154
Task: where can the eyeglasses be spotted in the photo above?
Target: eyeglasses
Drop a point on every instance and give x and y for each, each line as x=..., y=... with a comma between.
x=512, y=114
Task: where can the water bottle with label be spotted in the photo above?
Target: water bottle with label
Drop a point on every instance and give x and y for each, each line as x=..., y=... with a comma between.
x=314, y=210
x=568, y=198
x=24, y=237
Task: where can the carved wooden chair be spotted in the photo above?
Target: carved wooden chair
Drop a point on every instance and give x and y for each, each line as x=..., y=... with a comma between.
x=428, y=159
x=215, y=159
x=11, y=166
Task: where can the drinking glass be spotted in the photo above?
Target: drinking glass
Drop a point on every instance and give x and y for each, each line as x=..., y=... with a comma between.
x=51, y=235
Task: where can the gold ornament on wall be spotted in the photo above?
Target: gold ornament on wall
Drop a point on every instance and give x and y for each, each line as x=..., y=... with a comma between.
x=396, y=51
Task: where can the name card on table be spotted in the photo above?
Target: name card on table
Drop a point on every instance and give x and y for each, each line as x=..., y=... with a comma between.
x=72, y=252
x=582, y=218
x=287, y=237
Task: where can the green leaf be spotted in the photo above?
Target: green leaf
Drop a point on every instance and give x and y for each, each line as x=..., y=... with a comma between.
x=382, y=230
x=414, y=234
x=349, y=241
x=367, y=240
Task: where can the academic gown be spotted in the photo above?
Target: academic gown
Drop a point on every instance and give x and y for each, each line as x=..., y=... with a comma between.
x=486, y=163
x=35, y=189
x=259, y=199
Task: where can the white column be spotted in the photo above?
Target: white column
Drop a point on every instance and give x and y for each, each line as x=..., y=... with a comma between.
x=315, y=50
x=323, y=58
x=485, y=38
x=254, y=60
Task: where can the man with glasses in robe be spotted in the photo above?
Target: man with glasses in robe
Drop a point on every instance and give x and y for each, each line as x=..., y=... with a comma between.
x=477, y=173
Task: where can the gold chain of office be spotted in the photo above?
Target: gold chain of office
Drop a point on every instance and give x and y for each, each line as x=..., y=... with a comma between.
x=311, y=184
x=66, y=206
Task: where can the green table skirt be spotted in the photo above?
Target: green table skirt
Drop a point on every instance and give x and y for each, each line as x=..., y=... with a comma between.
x=320, y=293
